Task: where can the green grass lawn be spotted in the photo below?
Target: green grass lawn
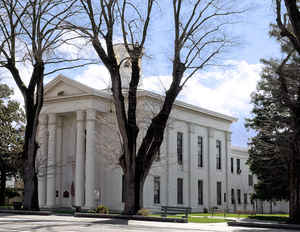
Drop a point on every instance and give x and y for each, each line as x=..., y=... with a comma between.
x=206, y=220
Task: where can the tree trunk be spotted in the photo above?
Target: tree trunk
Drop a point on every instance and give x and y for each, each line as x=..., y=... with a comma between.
x=30, y=177
x=33, y=105
x=294, y=200
x=2, y=187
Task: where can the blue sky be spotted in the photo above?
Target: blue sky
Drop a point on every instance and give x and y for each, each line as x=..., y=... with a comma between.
x=223, y=89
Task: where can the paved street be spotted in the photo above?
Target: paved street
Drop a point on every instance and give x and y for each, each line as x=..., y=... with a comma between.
x=67, y=224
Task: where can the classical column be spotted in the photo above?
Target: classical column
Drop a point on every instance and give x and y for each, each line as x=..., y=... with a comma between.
x=58, y=165
x=210, y=168
x=79, y=170
x=191, y=131
x=90, y=159
x=51, y=165
x=42, y=170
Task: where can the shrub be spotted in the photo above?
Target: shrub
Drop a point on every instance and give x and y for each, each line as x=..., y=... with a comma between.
x=205, y=210
x=143, y=212
x=102, y=209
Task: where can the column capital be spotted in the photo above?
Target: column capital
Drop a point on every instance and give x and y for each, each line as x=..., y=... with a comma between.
x=211, y=132
x=91, y=114
x=80, y=115
x=51, y=118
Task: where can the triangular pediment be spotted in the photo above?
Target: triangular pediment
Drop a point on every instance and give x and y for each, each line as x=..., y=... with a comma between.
x=62, y=86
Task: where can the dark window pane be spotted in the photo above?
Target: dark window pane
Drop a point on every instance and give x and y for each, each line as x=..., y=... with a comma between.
x=156, y=190
x=123, y=188
x=200, y=192
x=245, y=199
x=179, y=147
x=219, y=154
x=238, y=166
x=200, y=151
x=179, y=191
x=232, y=197
x=250, y=180
x=231, y=166
x=219, y=193
x=239, y=196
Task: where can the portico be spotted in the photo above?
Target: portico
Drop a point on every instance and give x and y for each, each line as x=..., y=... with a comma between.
x=67, y=152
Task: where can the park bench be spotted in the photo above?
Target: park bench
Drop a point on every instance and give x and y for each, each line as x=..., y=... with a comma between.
x=169, y=210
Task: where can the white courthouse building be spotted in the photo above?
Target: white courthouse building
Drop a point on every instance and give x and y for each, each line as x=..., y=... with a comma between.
x=79, y=149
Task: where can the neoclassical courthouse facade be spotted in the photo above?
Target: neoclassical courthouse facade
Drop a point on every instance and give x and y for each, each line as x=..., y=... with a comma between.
x=79, y=147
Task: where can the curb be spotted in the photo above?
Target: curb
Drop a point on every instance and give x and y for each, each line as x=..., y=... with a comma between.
x=130, y=217
x=26, y=212
x=264, y=225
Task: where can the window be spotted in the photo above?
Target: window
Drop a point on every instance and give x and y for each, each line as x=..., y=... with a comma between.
x=245, y=199
x=231, y=166
x=179, y=147
x=200, y=192
x=156, y=190
x=238, y=166
x=200, y=151
x=179, y=191
x=232, y=197
x=157, y=158
x=123, y=188
x=239, y=196
x=218, y=145
x=219, y=193
x=250, y=180
x=225, y=197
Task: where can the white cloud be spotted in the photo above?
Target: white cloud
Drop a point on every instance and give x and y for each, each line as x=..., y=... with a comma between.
x=228, y=91
x=95, y=76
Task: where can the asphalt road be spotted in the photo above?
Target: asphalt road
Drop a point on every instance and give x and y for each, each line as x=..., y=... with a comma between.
x=9, y=223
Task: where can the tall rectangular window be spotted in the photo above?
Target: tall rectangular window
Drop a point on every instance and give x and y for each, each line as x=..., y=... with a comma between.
x=238, y=166
x=200, y=151
x=225, y=197
x=250, y=180
x=200, y=192
x=232, y=196
x=239, y=196
x=219, y=193
x=231, y=165
x=179, y=191
x=245, y=199
x=123, y=188
x=179, y=147
x=156, y=190
x=219, y=154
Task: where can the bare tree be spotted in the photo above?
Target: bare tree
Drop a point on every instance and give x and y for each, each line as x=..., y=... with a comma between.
x=30, y=33
x=288, y=21
x=199, y=36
